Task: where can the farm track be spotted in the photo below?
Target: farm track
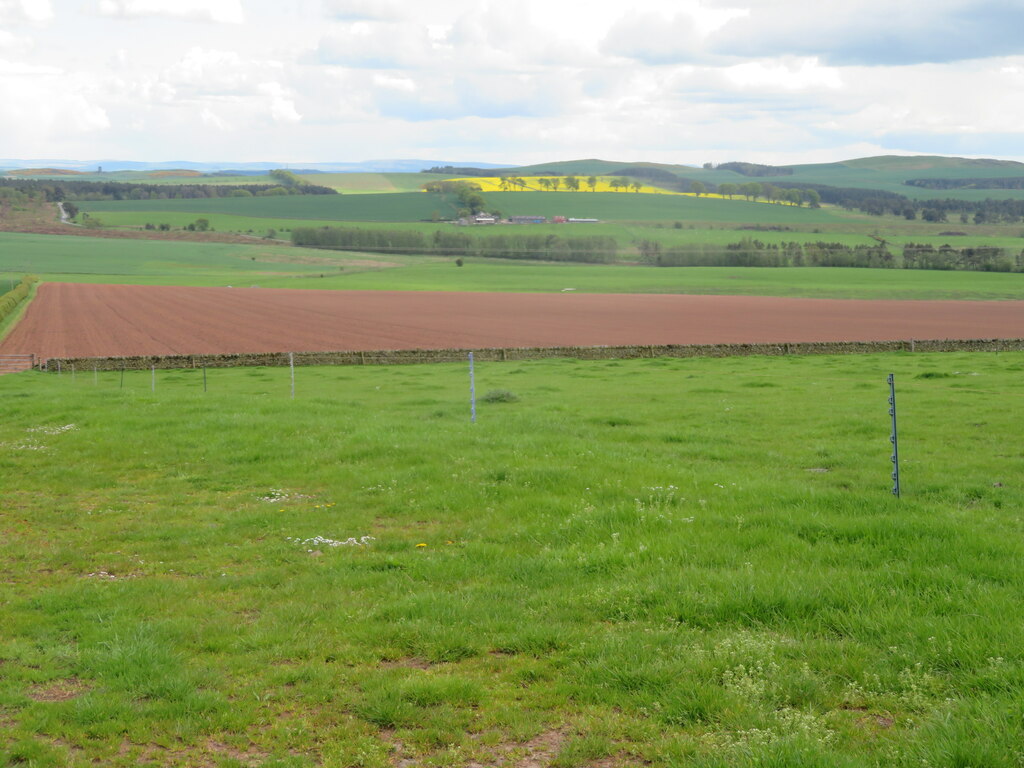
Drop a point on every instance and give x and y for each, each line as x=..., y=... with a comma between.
x=82, y=320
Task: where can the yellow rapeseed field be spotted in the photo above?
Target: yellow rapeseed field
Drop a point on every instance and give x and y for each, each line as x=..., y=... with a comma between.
x=557, y=184
x=603, y=184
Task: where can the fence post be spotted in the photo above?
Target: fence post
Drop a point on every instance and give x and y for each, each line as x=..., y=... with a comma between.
x=204, y=377
x=153, y=383
x=472, y=391
x=95, y=375
x=291, y=364
x=893, y=438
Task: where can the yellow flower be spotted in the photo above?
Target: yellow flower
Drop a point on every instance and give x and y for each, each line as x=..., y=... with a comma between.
x=421, y=545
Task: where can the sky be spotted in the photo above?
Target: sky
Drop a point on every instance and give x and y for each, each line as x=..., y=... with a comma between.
x=514, y=82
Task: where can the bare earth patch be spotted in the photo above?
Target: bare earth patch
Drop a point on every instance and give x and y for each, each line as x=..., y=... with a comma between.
x=58, y=690
x=82, y=320
x=536, y=753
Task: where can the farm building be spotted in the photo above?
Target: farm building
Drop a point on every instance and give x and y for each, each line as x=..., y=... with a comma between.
x=527, y=220
x=480, y=218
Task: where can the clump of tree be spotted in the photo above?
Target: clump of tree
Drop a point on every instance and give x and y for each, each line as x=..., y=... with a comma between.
x=754, y=169
x=468, y=194
x=650, y=173
x=976, y=259
x=286, y=178
x=459, y=171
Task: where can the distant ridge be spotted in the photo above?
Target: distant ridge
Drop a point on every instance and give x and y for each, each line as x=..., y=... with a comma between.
x=54, y=167
x=880, y=163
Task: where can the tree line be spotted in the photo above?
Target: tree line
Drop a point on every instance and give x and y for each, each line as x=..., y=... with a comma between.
x=877, y=202
x=59, y=191
x=545, y=247
x=1008, y=182
x=750, y=252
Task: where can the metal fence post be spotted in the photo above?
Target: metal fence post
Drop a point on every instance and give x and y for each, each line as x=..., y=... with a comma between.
x=893, y=438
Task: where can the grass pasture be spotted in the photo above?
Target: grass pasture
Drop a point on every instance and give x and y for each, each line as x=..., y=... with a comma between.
x=662, y=562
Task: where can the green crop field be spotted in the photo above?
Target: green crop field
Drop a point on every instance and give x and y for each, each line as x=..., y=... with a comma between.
x=657, y=562
x=847, y=228
x=91, y=259
x=87, y=259
x=366, y=183
x=400, y=206
x=804, y=282
x=417, y=206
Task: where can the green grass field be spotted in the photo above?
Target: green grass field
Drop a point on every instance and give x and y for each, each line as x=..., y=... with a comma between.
x=151, y=262
x=662, y=562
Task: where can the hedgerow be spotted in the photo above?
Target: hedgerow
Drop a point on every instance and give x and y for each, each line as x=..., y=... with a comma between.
x=9, y=301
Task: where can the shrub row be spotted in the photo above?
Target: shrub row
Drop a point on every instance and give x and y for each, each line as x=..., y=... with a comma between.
x=594, y=249
x=415, y=356
x=9, y=301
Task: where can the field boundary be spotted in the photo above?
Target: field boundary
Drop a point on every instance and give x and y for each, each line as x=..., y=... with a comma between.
x=499, y=354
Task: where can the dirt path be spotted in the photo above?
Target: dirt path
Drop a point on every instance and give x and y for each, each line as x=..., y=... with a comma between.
x=69, y=319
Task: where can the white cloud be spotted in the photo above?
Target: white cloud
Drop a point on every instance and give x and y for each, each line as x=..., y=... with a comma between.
x=221, y=11
x=376, y=46
x=39, y=102
x=655, y=39
x=282, y=106
x=14, y=11
x=786, y=75
x=211, y=119
x=362, y=10
x=23, y=69
x=209, y=71
x=396, y=83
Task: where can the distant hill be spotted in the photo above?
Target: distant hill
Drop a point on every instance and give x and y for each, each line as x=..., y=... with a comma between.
x=929, y=162
x=45, y=172
x=55, y=167
x=917, y=177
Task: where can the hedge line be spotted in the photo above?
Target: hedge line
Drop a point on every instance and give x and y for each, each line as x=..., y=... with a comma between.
x=9, y=301
x=510, y=245
x=414, y=356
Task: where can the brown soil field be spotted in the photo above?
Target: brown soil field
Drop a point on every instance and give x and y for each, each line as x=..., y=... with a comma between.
x=82, y=320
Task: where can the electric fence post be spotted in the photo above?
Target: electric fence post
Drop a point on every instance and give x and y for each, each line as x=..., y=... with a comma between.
x=472, y=391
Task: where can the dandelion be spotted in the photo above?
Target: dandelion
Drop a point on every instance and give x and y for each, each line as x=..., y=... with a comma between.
x=325, y=542
x=421, y=545
x=53, y=430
